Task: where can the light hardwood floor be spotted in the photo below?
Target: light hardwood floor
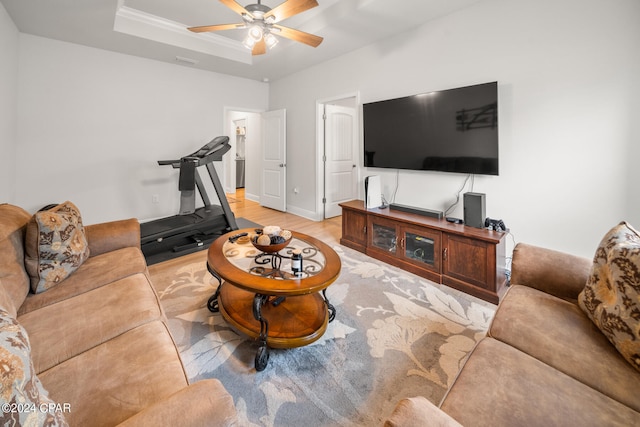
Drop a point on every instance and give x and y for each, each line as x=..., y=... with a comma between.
x=329, y=230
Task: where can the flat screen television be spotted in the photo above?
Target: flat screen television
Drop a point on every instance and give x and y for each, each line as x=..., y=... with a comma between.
x=454, y=130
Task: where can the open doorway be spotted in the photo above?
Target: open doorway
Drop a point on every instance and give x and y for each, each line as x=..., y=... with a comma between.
x=337, y=142
x=241, y=176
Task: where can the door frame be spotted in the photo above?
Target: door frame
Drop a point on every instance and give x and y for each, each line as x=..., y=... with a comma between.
x=229, y=162
x=320, y=146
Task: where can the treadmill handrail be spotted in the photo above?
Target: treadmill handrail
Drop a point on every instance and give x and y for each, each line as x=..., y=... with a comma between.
x=214, y=153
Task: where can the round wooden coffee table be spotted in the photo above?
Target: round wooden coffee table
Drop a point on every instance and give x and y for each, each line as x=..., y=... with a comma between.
x=261, y=297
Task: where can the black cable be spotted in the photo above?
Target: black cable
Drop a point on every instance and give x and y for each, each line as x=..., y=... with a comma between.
x=509, y=260
x=453, y=205
x=393, y=198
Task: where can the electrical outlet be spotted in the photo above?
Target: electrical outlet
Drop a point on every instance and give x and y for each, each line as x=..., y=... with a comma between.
x=155, y=199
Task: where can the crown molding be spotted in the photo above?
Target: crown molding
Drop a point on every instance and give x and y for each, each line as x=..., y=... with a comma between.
x=151, y=27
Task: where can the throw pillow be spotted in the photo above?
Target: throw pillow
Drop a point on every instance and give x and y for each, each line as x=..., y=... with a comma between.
x=55, y=246
x=24, y=401
x=611, y=297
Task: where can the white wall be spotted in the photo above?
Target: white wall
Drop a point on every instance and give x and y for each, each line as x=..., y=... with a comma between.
x=8, y=101
x=567, y=74
x=93, y=123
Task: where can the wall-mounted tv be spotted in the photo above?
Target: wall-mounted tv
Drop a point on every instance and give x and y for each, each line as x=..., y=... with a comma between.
x=454, y=130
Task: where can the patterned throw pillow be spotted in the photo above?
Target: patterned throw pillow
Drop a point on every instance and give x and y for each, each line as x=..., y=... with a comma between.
x=24, y=401
x=55, y=246
x=611, y=297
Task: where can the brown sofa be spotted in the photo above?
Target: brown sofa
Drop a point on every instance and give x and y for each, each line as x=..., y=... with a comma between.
x=542, y=363
x=99, y=341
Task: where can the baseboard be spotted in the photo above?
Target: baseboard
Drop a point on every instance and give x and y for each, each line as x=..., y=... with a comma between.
x=252, y=197
x=313, y=216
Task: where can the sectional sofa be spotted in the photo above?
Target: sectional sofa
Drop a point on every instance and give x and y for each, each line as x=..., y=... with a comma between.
x=83, y=338
x=562, y=350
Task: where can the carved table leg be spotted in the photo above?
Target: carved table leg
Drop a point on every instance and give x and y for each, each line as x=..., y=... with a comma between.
x=212, y=304
x=330, y=308
x=262, y=356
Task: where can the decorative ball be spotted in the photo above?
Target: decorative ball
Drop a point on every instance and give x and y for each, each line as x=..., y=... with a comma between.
x=263, y=240
x=286, y=234
x=271, y=230
x=276, y=240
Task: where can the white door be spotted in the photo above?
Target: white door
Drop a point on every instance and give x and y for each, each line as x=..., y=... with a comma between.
x=341, y=141
x=274, y=170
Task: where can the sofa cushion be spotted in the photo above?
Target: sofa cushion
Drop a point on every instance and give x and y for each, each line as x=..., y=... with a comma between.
x=502, y=386
x=14, y=281
x=94, y=273
x=24, y=400
x=417, y=411
x=611, y=297
x=89, y=319
x=205, y=403
x=558, y=333
x=114, y=381
x=55, y=246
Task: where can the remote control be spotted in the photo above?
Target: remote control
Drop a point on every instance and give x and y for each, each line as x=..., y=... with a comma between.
x=233, y=239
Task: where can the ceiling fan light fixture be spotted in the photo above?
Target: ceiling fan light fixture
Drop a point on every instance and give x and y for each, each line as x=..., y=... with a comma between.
x=249, y=42
x=270, y=40
x=255, y=32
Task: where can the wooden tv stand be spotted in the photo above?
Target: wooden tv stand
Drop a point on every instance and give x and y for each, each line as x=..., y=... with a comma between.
x=469, y=259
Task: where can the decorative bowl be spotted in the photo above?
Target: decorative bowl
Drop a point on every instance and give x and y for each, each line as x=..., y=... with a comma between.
x=270, y=249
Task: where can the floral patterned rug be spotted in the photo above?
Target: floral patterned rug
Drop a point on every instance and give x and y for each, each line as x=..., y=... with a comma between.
x=394, y=335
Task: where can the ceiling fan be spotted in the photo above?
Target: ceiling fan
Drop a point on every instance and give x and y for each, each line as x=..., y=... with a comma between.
x=262, y=22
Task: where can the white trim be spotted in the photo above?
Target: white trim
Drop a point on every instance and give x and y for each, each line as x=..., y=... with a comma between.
x=229, y=130
x=145, y=25
x=320, y=103
x=313, y=216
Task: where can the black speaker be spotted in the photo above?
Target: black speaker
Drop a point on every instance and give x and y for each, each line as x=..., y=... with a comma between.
x=474, y=209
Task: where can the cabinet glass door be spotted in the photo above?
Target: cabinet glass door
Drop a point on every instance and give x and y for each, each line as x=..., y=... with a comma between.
x=419, y=248
x=383, y=237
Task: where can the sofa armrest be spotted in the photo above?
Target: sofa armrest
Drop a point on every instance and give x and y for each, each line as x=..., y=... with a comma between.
x=109, y=236
x=557, y=273
x=419, y=412
x=205, y=403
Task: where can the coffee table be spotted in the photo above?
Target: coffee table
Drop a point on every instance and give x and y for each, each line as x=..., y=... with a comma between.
x=261, y=297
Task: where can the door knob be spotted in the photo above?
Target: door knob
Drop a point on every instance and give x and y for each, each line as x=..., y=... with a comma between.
x=283, y=165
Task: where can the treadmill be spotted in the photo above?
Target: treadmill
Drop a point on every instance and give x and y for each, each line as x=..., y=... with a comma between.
x=193, y=229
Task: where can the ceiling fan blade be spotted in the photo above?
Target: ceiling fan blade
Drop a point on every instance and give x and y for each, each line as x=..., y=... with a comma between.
x=207, y=28
x=260, y=48
x=299, y=36
x=235, y=6
x=290, y=8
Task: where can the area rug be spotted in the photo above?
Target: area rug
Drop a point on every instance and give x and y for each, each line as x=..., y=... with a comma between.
x=394, y=335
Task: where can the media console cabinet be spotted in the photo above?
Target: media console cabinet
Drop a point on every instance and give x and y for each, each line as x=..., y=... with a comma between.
x=469, y=259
